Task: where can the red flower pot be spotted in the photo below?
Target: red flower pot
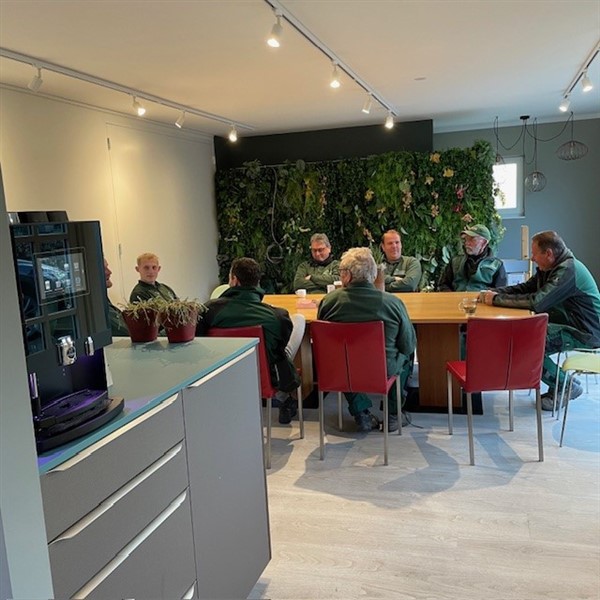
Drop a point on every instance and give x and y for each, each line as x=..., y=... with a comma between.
x=142, y=329
x=177, y=333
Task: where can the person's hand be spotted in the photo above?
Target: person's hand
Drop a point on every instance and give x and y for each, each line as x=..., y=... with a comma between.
x=307, y=278
x=487, y=297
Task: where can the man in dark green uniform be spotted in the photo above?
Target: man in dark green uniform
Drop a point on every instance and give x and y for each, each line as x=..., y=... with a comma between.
x=360, y=301
x=148, y=266
x=321, y=270
x=564, y=288
x=402, y=273
x=241, y=306
x=476, y=269
x=117, y=324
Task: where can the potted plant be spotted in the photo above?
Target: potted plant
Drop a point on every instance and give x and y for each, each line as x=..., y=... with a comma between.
x=141, y=319
x=179, y=318
x=378, y=256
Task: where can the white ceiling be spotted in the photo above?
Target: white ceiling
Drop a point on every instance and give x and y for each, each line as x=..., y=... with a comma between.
x=460, y=63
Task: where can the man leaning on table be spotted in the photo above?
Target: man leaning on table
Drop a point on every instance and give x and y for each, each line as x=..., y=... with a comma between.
x=402, y=273
x=476, y=268
x=564, y=288
x=321, y=270
x=241, y=306
x=360, y=301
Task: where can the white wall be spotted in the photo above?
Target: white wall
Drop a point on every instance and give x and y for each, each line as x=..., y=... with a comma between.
x=152, y=187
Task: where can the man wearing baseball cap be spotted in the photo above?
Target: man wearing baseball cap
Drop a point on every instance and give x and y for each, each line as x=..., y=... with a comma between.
x=475, y=270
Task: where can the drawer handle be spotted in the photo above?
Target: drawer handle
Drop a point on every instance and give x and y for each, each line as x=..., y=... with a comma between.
x=68, y=464
x=135, y=543
x=107, y=504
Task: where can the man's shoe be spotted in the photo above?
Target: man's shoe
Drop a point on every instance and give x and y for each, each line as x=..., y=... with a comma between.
x=392, y=423
x=548, y=397
x=366, y=422
x=287, y=411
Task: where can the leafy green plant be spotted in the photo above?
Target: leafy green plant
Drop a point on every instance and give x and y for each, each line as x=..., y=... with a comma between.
x=270, y=212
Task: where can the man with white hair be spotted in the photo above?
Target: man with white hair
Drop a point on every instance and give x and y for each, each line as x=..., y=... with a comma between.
x=359, y=301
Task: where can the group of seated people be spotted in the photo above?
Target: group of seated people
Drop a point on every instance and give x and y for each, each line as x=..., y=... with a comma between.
x=562, y=286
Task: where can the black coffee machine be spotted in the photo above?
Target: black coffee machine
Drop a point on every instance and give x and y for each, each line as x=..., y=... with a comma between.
x=64, y=315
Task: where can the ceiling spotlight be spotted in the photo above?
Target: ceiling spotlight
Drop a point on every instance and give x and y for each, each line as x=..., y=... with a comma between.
x=180, y=120
x=367, y=105
x=139, y=109
x=36, y=81
x=564, y=105
x=335, y=77
x=233, y=134
x=586, y=83
x=389, y=121
x=274, y=40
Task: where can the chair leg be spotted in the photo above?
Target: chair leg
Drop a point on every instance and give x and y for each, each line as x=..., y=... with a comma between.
x=449, y=376
x=321, y=426
x=511, y=412
x=538, y=411
x=399, y=405
x=340, y=412
x=386, y=413
x=556, y=382
x=470, y=428
x=300, y=411
x=566, y=401
x=269, y=422
x=569, y=378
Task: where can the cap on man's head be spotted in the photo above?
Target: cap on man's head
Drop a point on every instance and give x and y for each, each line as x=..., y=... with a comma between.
x=480, y=230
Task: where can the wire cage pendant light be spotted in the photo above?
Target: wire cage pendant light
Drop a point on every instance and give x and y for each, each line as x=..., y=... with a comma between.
x=536, y=180
x=571, y=150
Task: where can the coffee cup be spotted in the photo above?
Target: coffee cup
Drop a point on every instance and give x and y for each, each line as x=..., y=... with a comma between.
x=330, y=287
x=468, y=306
x=337, y=284
x=301, y=293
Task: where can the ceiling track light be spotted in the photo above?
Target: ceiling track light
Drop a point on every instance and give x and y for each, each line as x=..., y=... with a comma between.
x=335, y=77
x=233, y=135
x=368, y=104
x=181, y=120
x=389, y=121
x=36, y=81
x=586, y=82
x=564, y=105
x=139, y=109
x=274, y=39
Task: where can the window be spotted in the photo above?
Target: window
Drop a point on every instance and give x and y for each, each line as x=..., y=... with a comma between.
x=508, y=178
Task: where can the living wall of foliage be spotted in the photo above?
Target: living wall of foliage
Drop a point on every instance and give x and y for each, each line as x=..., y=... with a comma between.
x=270, y=212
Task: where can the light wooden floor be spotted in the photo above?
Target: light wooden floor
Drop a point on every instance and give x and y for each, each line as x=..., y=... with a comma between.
x=429, y=526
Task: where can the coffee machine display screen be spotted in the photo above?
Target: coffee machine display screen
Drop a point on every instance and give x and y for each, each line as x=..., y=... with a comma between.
x=61, y=274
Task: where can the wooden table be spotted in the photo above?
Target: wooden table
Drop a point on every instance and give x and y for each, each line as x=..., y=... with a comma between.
x=437, y=321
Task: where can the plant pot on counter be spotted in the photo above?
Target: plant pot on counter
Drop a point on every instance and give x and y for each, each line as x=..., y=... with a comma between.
x=142, y=323
x=178, y=333
x=179, y=319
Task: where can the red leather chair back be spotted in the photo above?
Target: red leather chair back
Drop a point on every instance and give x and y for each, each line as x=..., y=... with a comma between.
x=350, y=357
x=505, y=354
x=254, y=331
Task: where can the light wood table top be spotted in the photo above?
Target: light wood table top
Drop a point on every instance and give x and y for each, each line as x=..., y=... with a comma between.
x=434, y=307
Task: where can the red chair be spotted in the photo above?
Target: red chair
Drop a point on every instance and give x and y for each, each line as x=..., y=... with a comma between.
x=502, y=354
x=350, y=357
x=267, y=390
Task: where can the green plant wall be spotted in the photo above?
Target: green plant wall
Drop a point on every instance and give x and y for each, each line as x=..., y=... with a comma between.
x=270, y=212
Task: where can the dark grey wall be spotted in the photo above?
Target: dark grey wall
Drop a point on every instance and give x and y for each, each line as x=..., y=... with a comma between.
x=570, y=202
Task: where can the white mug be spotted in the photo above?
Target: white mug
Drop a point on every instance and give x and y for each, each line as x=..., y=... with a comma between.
x=301, y=293
x=330, y=287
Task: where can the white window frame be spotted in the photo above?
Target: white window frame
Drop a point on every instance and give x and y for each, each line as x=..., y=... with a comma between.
x=513, y=187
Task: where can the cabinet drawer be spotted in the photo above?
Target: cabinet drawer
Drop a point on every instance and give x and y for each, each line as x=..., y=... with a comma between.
x=159, y=563
x=77, y=486
x=85, y=548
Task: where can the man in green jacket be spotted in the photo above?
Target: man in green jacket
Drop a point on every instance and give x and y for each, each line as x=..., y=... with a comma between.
x=564, y=288
x=402, y=273
x=148, y=266
x=241, y=306
x=321, y=270
x=360, y=301
x=476, y=269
